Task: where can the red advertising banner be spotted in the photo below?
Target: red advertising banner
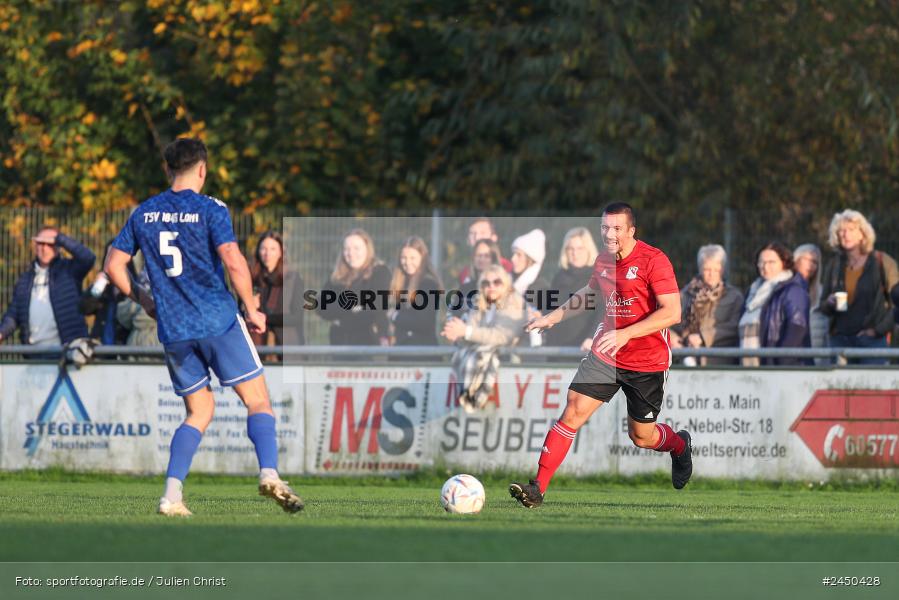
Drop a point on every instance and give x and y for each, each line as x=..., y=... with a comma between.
x=851, y=428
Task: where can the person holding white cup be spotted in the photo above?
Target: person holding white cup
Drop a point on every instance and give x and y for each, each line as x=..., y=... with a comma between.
x=856, y=284
x=841, y=301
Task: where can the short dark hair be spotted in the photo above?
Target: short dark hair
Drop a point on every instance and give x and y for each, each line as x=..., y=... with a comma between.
x=621, y=208
x=184, y=153
x=783, y=253
x=484, y=220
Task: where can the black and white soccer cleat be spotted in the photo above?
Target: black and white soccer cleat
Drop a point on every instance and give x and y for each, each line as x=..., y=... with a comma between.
x=528, y=494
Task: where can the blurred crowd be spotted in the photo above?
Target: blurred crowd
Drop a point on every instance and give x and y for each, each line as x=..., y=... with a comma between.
x=802, y=298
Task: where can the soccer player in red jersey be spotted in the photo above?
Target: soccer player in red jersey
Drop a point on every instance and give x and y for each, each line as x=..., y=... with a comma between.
x=636, y=285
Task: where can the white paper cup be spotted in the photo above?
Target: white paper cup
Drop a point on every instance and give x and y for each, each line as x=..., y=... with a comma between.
x=842, y=299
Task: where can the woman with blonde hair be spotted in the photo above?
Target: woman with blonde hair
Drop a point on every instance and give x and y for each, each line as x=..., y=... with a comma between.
x=576, y=260
x=855, y=286
x=497, y=322
x=357, y=278
x=412, y=292
x=484, y=253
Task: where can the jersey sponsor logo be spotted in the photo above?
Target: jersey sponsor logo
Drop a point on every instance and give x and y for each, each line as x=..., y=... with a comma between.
x=619, y=306
x=631, y=273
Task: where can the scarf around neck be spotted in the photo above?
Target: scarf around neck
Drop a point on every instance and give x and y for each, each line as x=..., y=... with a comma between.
x=704, y=300
x=527, y=277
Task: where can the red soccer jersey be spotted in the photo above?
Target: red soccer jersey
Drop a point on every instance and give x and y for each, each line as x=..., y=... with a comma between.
x=628, y=291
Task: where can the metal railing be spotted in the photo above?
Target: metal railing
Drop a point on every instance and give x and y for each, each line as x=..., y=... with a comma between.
x=443, y=353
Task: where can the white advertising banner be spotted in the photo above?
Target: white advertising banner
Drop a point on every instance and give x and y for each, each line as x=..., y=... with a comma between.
x=122, y=418
x=370, y=419
x=352, y=419
x=744, y=424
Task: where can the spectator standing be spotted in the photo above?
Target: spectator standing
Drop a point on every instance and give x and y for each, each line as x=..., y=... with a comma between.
x=101, y=301
x=482, y=228
x=776, y=313
x=412, y=289
x=856, y=285
x=45, y=298
x=711, y=308
x=807, y=262
x=484, y=254
x=278, y=292
x=358, y=270
x=576, y=260
x=528, y=254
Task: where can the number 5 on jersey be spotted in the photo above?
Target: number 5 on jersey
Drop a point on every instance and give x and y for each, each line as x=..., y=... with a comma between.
x=167, y=249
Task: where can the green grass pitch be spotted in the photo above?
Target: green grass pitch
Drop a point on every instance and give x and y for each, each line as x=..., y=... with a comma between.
x=65, y=517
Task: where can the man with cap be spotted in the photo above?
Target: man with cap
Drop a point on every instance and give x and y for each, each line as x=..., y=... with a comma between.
x=44, y=304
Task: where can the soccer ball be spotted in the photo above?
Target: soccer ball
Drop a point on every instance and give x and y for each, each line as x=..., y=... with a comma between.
x=463, y=495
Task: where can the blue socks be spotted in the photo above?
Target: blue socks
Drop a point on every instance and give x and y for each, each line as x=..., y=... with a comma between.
x=261, y=429
x=181, y=452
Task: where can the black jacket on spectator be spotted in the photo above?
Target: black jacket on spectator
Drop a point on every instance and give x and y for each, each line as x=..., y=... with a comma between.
x=356, y=325
x=418, y=327
x=572, y=331
x=65, y=276
x=287, y=325
x=870, y=308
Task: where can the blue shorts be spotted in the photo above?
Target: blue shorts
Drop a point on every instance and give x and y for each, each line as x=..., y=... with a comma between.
x=231, y=356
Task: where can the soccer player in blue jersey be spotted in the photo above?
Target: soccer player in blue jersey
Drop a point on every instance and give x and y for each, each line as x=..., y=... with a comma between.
x=186, y=237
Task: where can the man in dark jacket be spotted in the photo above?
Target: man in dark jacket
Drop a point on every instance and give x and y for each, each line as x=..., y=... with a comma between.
x=45, y=299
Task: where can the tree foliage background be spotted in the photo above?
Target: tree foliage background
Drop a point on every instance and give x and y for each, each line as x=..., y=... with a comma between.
x=683, y=107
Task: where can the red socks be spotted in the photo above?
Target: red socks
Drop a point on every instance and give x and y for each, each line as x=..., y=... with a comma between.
x=555, y=447
x=559, y=439
x=669, y=441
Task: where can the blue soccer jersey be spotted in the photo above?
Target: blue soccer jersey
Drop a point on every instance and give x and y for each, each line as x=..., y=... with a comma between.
x=178, y=233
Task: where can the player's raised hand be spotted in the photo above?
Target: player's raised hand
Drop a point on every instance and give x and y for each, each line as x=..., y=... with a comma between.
x=256, y=321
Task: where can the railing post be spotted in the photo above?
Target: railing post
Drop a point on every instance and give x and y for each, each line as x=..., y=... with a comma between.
x=437, y=240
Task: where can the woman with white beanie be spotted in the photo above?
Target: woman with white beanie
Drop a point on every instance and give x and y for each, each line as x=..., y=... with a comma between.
x=528, y=252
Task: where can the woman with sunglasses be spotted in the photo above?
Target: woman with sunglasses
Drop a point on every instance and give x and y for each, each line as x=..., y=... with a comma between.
x=497, y=322
x=484, y=253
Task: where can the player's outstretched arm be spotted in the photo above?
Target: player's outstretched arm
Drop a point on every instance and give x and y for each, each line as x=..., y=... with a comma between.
x=580, y=301
x=239, y=273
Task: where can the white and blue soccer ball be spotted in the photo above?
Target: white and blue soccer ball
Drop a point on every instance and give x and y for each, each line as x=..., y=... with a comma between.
x=462, y=495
